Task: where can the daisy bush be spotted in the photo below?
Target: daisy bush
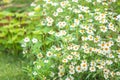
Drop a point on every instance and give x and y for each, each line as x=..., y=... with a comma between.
x=75, y=40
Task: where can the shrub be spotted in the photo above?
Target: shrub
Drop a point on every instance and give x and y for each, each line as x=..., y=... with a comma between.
x=14, y=24
x=13, y=28
x=78, y=39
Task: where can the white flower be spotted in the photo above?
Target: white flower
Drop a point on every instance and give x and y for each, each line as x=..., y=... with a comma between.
x=64, y=60
x=54, y=4
x=46, y=61
x=73, y=25
x=103, y=21
x=119, y=56
x=118, y=39
x=74, y=0
x=71, y=77
x=76, y=11
x=71, y=67
x=97, y=39
x=99, y=1
x=39, y=55
x=114, y=0
x=43, y=23
x=26, y=39
x=103, y=63
x=84, y=66
x=61, y=24
x=69, y=57
x=118, y=73
x=90, y=37
x=111, y=26
x=49, y=24
x=60, y=74
x=106, y=71
x=89, y=0
x=72, y=71
x=31, y=13
x=51, y=32
x=106, y=76
x=73, y=63
x=100, y=67
x=82, y=31
x=93, y=63
x=53, y=66
x=64, y=3
x=33, y=4
x=75, y=47
x=49, y=19
x=57, y=48
x=78, y=69
x=76, y=21
x=37, y=7
x=92, y=69
x=38, y=66
x=52, y=74
x=67, y=17
x=34, y=40
x=48, y=1
x=59, y=10
x=84, y=38
x=69, y=47
x=86, y=50
x=112, y=74
x=106, y=50
x=102, y=15
x=118, y=17
x=23, y=45
x=60, y=67
x=90, y=32
x=110, y=55
x=81, y=16
x=103, y=28
x=63, y=32
x=35, y=73
x=109, y=62
x=49, y=54
x=24, y=52
x=67, y=78
x=55, y=14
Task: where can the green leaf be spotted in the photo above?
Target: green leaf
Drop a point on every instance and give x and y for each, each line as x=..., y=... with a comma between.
x=37, y=32
x=3, y=34
x=46, y=30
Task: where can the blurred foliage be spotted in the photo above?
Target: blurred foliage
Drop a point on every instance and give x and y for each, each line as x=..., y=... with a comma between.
x=15, y=5
x=13, y=28
x=11, y=67
x=116, y=7
x=13, y=24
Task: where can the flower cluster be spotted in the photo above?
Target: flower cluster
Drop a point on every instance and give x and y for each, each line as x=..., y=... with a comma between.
x=84, y=37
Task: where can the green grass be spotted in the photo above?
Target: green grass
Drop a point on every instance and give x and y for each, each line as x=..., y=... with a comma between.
x=11, y=67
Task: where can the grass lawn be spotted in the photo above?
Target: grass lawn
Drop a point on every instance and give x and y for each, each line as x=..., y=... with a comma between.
x=11, y=67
